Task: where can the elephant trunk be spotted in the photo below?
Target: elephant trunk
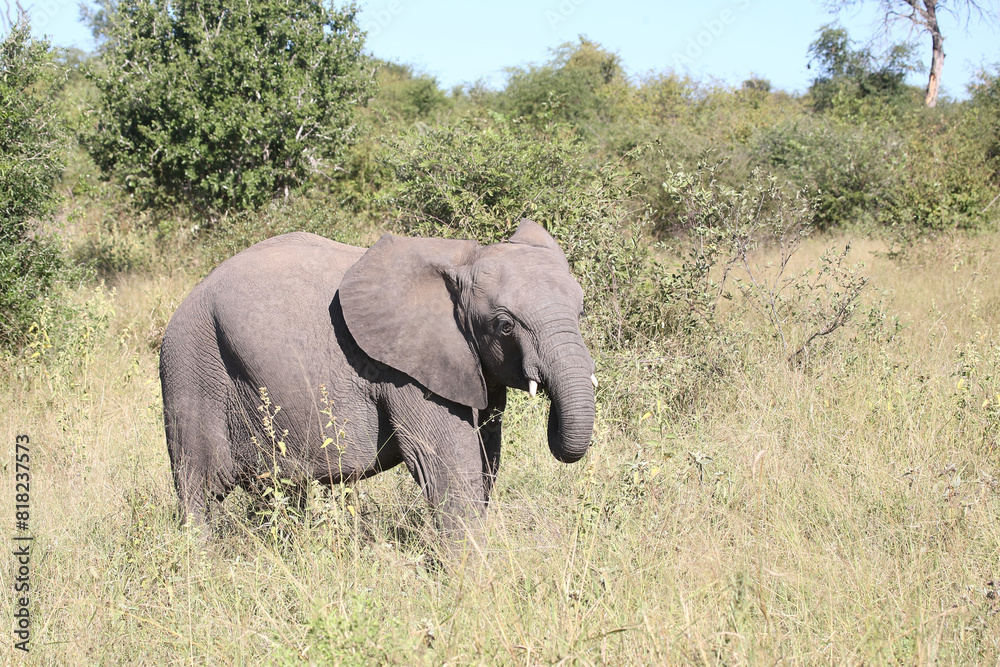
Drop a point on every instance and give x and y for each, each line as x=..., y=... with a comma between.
x=571, y=417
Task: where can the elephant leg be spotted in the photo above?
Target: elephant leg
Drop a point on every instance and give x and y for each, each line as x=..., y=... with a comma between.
x=201, y=462
x=452, y=484
x=442, y=450
x=197, y=435
x=490, y=432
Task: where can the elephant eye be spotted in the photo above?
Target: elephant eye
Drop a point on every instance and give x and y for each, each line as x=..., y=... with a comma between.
x=505, y=326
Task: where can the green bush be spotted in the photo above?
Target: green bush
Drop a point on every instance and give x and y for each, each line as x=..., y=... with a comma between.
x=402, y=98
x=405, y=96
x=223, y=105
x=856, y=82
x=32, y=150
x=983, y=119
x=923, y=172
x=739, y=247
x=714, y=118
x=578, y=85
x=356, y=633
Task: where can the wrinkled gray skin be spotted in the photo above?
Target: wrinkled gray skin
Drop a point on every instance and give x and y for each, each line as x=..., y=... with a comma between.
x=416, y=342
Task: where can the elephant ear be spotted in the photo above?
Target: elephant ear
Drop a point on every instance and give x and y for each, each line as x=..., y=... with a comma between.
x=399, y=304
x=531, y=233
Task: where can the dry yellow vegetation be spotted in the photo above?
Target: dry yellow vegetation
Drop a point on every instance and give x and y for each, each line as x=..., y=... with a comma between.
x=843, y=512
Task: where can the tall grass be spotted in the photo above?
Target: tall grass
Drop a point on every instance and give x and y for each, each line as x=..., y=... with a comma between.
x=840, y=512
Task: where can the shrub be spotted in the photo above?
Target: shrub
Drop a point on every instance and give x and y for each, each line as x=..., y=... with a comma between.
x=923, y=171
x=857, y=82
x=223, y=105
x=32, y=149
x=984, y=119
x=577, y=85
x=730, y=233
x=406, y=96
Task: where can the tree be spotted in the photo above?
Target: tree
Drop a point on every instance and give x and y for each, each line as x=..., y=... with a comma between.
x=218, y=105
x=575, y=86
x=32, y=150
x=847, y=76
x=406, y=95
x=922, y=16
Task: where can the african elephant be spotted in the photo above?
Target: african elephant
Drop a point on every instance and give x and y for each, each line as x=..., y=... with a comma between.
x=399, y=353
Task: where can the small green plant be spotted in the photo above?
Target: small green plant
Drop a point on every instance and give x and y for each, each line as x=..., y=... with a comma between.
x=281, y=494
x=356, y=632
x=976, y=392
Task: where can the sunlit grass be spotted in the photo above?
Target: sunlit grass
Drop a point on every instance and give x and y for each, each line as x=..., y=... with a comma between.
x=844, y=512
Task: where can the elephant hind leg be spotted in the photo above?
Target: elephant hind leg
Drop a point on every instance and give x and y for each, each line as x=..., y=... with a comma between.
x=195, y=388
x=197, y=440
x=202, y=465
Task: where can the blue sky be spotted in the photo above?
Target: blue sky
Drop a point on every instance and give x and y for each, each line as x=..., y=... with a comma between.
x=461, y=42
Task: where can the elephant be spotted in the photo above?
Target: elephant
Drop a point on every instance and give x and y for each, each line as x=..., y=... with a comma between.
x=335, y=363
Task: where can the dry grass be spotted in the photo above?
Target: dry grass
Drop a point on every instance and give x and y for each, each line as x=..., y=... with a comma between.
x=843, y=513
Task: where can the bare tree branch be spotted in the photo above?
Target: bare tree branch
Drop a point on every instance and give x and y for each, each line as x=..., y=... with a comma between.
x=922, y=16
x=12, y=15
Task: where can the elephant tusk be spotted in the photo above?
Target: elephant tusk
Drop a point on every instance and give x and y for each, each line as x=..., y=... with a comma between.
x=532, y=387
x=593, y=380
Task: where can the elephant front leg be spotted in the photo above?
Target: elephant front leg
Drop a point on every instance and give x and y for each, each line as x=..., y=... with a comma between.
x=442, y=449
x=490, y=434
x=451, y=479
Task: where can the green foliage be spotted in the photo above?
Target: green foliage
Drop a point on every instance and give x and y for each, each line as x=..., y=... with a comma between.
x=223, y=105
x=739, y=250
x=856, y=81
x=31, y=139
x=478, y=177
x=983, y=120
x=356, y=634
x=977, y=394
x=402, y=98
x=577, y=85
x=923, y=172
x=32, y=150
x=405, y=96
x=664, y=96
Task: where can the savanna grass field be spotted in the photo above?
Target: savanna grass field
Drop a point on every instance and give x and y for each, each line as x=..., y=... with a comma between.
x=846, y=513
x=793, y=303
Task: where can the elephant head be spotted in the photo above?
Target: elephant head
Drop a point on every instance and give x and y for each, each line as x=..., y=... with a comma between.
x=460, y=318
